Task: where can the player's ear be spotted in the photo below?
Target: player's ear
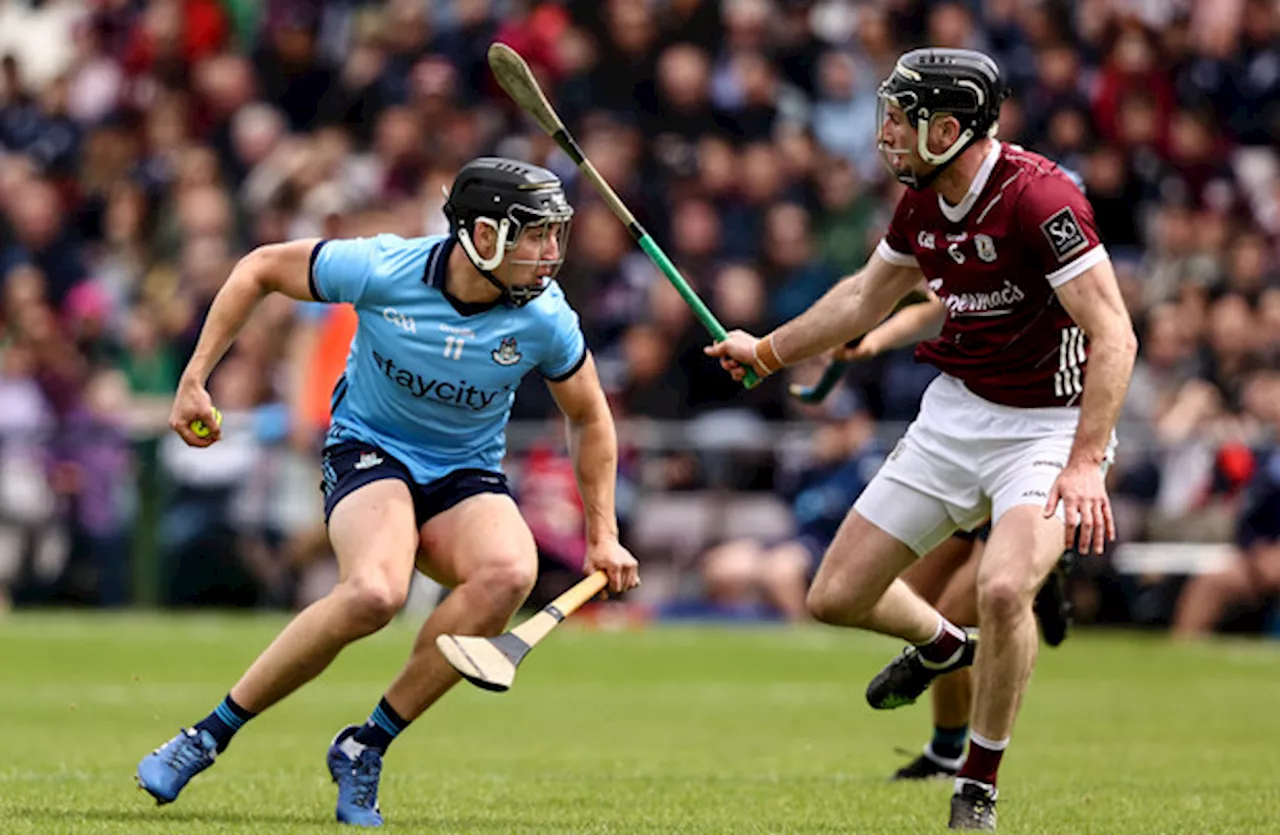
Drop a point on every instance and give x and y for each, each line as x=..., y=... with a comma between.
x=943, y=132
x=485, y=238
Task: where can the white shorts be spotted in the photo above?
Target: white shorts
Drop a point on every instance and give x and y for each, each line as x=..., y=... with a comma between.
x=965, y=459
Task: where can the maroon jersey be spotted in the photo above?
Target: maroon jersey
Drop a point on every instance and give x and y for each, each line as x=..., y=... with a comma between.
x=1023, y=230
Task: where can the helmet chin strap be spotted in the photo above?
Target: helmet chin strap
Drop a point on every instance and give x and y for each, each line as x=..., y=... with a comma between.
x=940, y=162
x=486, y=266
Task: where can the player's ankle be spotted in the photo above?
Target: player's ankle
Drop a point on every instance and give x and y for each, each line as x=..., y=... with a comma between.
x=945, y=647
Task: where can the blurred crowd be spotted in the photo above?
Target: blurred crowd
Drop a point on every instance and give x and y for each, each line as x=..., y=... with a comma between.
x=145, y=145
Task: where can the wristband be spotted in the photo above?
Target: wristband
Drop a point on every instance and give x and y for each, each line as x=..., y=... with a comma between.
x=766, y=356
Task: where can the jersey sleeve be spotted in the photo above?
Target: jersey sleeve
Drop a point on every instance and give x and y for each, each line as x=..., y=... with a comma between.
x=567, y=348
x=340, y=269
x=1056, y=222
x=895, y=246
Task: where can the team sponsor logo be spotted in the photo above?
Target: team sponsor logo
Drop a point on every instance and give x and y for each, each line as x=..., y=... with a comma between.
x=451, y=392
x=995, y=303
x=1064, y=234
x=506, y=353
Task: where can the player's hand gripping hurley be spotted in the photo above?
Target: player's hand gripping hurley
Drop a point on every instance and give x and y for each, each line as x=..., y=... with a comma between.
x=517, y=79
x=490, y=663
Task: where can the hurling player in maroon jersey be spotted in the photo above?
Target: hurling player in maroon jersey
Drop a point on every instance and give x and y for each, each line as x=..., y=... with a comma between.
x=1013, y=428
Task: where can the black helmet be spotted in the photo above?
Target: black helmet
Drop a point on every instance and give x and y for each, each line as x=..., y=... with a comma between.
x=510, y=195
x=962, y=83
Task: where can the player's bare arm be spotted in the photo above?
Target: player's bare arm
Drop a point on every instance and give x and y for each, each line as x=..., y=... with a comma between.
x=593, y=445
x=1094, y=302
x=848, y=310
x=912, y=324
x=277, y=268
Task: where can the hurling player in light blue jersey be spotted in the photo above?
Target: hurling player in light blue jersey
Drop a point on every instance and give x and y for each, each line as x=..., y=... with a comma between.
x=448, y=326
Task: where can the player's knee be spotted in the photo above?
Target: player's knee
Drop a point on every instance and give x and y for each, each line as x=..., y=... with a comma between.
x=828, y=606
x=508, y=580
x=1002, y=598
x=373, y=603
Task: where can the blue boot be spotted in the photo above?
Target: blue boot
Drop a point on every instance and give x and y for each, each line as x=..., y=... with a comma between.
x=164, y=771
x=356, y=769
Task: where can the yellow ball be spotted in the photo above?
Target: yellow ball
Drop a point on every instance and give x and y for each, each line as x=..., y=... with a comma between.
x=202, y=431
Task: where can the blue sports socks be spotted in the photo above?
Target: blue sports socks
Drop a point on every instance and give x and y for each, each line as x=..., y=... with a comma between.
x=222, y=724
x=382, y=726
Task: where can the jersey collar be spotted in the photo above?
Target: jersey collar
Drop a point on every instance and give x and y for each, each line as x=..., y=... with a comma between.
x=956, y=213
x=438, y=268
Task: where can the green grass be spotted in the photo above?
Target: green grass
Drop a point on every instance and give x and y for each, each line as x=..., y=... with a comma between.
x=661, y=731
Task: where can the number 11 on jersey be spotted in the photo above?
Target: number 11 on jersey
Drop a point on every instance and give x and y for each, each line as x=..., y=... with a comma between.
x=453, y=347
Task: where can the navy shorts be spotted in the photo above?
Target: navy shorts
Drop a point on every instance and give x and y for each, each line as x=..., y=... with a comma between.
x=350, y=465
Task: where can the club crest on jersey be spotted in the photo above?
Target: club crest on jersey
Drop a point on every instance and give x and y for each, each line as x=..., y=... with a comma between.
x=506, y=353
x=1064, y=234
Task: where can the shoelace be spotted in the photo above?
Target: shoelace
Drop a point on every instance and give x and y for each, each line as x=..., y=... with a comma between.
x=365, y=773
x=184, y=753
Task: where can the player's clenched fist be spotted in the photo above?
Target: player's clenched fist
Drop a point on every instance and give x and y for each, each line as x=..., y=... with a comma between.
x=192, y=407
x=737, y=353
x=615, y=561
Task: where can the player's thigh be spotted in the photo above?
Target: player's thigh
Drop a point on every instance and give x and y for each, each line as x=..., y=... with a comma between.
x=1023, y=547
x=481, y=537
x=932, y=573
x=373, y=531
x=887, y=528
x=370, y=515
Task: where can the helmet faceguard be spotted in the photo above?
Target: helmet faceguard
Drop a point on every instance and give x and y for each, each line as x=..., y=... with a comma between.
x=513, y=198
x=929, y=83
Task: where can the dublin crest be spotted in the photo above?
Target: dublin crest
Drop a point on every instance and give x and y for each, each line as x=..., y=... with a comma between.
x=506, y=353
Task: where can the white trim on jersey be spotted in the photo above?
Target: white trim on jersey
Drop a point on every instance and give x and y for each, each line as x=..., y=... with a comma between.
x=956, y=213
x=898, y=259
x=1076, y=268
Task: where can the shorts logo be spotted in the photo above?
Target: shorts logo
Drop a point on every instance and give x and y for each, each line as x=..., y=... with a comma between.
x=368, y=460
x=1035, y=494
x=506, y=353
x=1063, y=232
x=1054, y=465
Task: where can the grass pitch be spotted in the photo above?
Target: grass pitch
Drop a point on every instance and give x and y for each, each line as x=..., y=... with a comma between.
x=688, y=730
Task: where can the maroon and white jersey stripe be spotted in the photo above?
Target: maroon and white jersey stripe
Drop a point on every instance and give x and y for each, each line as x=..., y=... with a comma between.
x=995, y=259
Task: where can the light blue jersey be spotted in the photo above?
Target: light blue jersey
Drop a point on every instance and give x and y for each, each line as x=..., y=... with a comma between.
x=430, y=379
